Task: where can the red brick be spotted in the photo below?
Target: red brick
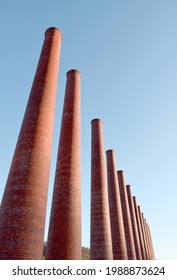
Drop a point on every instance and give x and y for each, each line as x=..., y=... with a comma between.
x=126, y=217
x=64, y=238
x=23, y=208
x=101, y=244
x=117, y=225
x=134, y=224
x=143, y=232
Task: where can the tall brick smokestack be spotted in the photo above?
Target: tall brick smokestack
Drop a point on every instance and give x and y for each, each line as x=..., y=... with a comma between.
x=23, y=208
x=117, y=225
x=143, y=253
x=126, y=217
x=101, y=244
x=134, y=224
x=151, y=244
x=147, y=238
x=64, y=238
x=143, y=231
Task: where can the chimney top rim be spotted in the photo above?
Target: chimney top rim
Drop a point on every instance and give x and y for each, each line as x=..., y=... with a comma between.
x=52, y=29
x=73, y=71
x=110, y=151
x=97, y=120
x=120, y=171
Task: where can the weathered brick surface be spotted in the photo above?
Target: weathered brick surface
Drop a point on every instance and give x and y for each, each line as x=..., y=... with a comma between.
x=23, y=208
x=126, y=217
x=139, y=229
x=117, y=225
x=134, y=224
x=101, y=244
x=64, y=238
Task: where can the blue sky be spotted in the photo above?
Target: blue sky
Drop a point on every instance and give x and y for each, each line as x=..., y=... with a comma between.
x=126, y=51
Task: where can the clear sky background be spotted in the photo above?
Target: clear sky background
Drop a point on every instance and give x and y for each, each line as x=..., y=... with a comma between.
x=126, y=51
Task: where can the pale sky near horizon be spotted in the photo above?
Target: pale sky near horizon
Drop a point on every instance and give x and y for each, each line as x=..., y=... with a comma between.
x=126, y=51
